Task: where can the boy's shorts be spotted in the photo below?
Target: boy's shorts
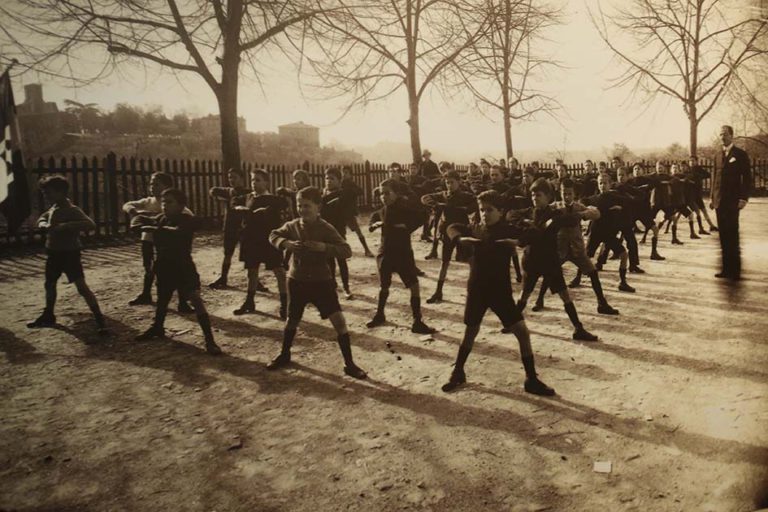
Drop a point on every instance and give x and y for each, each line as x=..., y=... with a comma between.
x=322, y=294
x=500, y=302
x=68, y=263
x=267, y=255
x=175, y=275
x=580, y=258
x=405, y=267
x=612, y=243
x=552, y=275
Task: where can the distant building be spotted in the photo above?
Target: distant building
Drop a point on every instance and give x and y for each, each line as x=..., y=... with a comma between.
x=301, y=134
x=41, y=124
x=212, y=124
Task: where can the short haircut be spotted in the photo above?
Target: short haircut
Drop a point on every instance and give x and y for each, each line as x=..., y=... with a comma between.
x=333, y=171
x=728, y=128
x=483, y=161
x=542, y=185
x=178, y=195
x=567, y=183
x=497, y=167
x=605, y=176
x=535, y=163
x=56, y=183
x=301, y=173
x=398, y=187
x=236, y=172
x=515, y=160
x=622, y=168
x=493, y=198
x=260, y=172
x=530, y=171
x=588, y=161
x=452, y=175
x=394, y=165
x=445, y=165
x=163, y=178
x=310, y=194
x=346, y=168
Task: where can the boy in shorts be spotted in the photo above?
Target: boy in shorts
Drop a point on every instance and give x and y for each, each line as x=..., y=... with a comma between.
x=232, y=196
x=63, y=222
x=312, y=242
x=490, y=287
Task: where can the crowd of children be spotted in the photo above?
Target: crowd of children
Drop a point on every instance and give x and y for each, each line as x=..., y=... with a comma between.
x=483, y=216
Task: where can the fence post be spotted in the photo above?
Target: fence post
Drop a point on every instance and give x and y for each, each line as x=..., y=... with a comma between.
x=368, y=184
x=110, y=175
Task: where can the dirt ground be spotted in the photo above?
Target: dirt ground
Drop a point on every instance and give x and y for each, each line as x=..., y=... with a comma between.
x=674, y=396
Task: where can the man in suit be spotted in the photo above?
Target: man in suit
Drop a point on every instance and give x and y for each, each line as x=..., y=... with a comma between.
x=429, y=168
x=731, y=183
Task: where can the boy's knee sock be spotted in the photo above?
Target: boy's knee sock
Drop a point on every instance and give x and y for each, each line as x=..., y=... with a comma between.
x=698, y=220
x=597, y=287
x=288, y=335
x=416, y=308
x=464, y=350
x=383, y=296
x=225, y=268
x=205, y=324
x=361, y=237
x=346, y=348
x=160, y=313
x=249, y=296
x=516, y=263
x=570, y=308
x=50, y=298
x=344, y=271
x=690, y=226
x=654, y=244
x=148, y=278
x=674, y=231
x=530, y=367
x=623, y=274
x=542, y=292
x=439, y=289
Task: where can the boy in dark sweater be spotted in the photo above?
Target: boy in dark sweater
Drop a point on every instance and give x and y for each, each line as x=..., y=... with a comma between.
x=312, y=242
x=337, y=208
x=232, y=196
x=262, y=213
x=456, y=206
x=490, y=286
x=354, y=191
x=63, y=223
x=173, y=231
x=150, y=205
x=397, y=220
x=538, y=234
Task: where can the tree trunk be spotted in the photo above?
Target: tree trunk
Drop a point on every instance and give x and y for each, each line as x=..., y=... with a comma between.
x=507, y=124
x=693, y=125
x=227, y=92
x=413, y=123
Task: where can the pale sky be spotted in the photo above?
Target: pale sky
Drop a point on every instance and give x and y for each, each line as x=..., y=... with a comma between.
x=594, y=117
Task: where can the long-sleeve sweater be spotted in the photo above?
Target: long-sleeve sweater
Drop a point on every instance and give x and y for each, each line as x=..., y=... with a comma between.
x=70, y=220
x=308, y=265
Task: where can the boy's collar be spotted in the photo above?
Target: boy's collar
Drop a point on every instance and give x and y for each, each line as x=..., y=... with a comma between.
x=64, y=202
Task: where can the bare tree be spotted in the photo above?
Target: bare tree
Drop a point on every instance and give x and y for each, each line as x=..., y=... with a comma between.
x=209, y=38
x=369, y=50
x=501, y=68
x=691, y=51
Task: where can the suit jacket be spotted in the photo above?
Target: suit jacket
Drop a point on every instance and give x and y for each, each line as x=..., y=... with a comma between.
x=731, y=178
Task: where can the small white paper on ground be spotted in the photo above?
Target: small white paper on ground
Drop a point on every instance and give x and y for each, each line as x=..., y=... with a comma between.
x=602, y=466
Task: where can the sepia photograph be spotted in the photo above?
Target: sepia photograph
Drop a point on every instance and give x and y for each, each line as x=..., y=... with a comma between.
x=384, y=255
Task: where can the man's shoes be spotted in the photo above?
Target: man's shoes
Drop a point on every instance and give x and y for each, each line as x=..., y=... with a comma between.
x=694, y=236
x=538, y=306
x=536, y=387
x=44, y=320
x=728, y=275
x=420, y=273
x=636, y=270
x=280, y=361
x=185, y=308
x=581, y=334
x=436, y=298
x=261, y=288
x=431, y=256
x=714, y=229
x=419, y=327
x=376, y=321
x=624, y=287
x=607, y=309
x=368, y=254
x=247, y=307
x=348, y=294
x=676, y=241
x=212, y=348
x=219, y=284
x=355, y=371
x=657, y=257
x=153, y=333
x=703, y=232
x=457, y=379
x=141, y=300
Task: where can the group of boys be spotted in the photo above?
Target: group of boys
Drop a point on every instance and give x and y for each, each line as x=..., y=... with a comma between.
x=483, y=216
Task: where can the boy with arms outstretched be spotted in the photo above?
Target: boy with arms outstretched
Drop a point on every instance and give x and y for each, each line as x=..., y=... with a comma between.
x=490, y=286
x=63, y=222
x=173, y=231
x=232, y=196
x=312, y=242
x=397, y=220
x=262, y=213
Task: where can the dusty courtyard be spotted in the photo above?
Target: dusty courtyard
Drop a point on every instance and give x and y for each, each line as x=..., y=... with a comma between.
x=674, y=396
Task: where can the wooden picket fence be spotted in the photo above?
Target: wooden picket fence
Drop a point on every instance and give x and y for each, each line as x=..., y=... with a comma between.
x=101, y=185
